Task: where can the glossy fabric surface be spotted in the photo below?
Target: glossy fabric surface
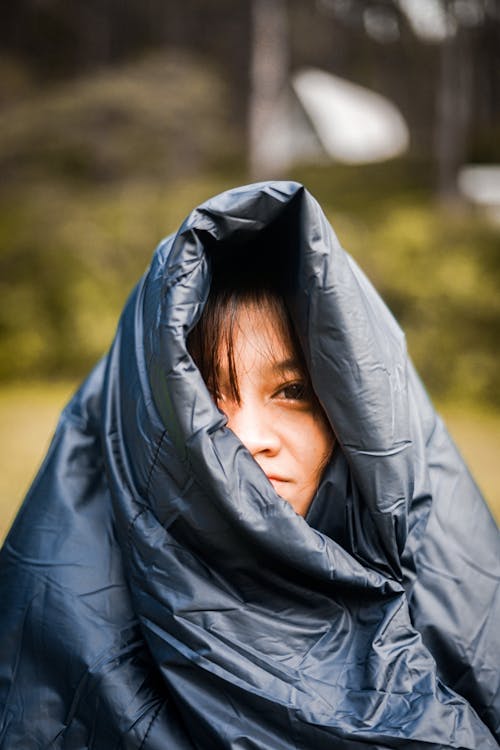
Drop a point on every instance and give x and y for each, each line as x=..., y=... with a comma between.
x=155, y=591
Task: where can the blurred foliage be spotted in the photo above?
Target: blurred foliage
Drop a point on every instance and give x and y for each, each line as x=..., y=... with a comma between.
x=129, y=120
x=437, y=269
x=89, y=184
x=68, y=258
x=94, y=173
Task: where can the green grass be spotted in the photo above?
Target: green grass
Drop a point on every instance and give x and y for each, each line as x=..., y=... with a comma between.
x=28, y=416
x=29, y=412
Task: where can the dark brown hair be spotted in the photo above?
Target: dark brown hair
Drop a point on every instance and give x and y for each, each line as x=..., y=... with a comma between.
x=256, y=275
x=259, y=273
x=212, y=339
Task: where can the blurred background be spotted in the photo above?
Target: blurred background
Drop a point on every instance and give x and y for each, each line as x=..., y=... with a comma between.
x=118, y=117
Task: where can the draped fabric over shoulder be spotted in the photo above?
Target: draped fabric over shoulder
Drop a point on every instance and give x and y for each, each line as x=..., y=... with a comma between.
x=157, y=593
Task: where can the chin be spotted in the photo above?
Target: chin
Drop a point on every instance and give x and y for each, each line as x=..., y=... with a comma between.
x=299, y=505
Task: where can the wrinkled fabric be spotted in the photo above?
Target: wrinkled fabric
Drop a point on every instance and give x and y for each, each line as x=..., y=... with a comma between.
x=156, y=592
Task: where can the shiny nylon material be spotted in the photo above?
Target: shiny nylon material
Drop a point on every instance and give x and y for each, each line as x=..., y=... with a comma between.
x=157, y=593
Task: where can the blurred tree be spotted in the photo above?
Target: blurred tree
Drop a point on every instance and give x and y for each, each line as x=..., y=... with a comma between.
x=269, y=67
x=438, y=60
x=454, y=100
x=444, y=56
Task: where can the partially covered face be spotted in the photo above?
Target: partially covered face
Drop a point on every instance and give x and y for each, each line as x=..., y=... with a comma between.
x=277, y=417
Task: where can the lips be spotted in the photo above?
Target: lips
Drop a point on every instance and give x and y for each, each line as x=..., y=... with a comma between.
x=273, y=478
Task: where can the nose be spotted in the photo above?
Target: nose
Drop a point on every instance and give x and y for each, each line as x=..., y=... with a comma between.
x=255, y=427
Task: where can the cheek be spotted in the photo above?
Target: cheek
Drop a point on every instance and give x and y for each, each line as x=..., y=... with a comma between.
x=315, y=442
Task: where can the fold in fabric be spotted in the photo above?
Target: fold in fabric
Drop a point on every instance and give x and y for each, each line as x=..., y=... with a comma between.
x=156, y=592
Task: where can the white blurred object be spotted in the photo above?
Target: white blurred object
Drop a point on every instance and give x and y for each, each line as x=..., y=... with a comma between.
x=480, y=184
x=287, y=138
x=428, y=19
x=354, y=125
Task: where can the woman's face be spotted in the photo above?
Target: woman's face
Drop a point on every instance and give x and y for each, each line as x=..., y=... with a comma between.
x=278, y=419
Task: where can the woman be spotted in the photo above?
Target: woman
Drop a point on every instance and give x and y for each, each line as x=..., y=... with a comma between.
x=251, y=530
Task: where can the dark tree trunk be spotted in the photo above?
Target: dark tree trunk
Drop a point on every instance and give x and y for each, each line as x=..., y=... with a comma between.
x=453, y=111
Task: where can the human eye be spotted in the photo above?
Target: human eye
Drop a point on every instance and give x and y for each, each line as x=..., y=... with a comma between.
x=295, y=391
